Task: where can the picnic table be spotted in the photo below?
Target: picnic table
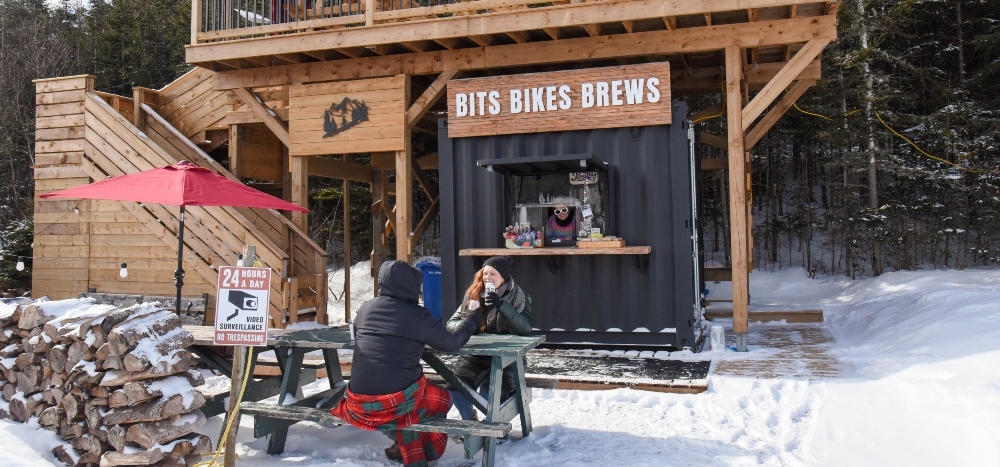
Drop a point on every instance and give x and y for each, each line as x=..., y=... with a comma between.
x=290, y=348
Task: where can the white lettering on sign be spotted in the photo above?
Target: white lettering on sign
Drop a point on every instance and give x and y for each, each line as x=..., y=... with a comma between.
x=612, y=97
x=241, y=309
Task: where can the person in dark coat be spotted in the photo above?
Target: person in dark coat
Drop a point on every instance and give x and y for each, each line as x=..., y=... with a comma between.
x=388, y=390
x=507, y=310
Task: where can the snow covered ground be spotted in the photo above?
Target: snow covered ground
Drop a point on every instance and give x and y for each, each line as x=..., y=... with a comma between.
x=921, y=386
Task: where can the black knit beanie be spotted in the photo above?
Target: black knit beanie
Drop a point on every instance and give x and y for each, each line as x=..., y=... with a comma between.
x=502, y=264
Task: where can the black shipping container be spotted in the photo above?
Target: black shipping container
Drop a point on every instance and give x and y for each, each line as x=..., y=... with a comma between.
x=647, y=300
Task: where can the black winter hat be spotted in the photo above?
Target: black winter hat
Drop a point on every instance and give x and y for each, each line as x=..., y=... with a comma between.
x=502, y=264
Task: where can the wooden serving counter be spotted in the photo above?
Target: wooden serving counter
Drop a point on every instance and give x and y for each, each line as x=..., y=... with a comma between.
x=559, y=251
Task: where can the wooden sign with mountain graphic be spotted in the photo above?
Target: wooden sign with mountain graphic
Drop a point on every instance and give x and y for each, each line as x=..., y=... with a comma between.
x=347, y=117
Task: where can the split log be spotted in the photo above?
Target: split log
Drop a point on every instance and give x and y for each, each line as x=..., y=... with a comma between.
x=99, y=391
x=116, y=437
x=66, y=454
x=57, y=379
x=11, y=350
x=28, y=381
x=131, y=456
x=93, y=416
x=12, y=317
x=179, y=365
x=34, y=316
x=137, y=392
x=101, y=433
x=18, y=411
x=70, y=430
x=79, y=352
x=127, y=336
x=102, y=352
x=112, y=362
x=156, y=409
x=7, y=366
x=123, y=316
x=149, y=434
x=52, y=418
x=27, y=359
x=72, y=407
x=186, y=448
x=85, y=374
x=8, y=391
x=39, y=344
x=53, y=395
x=88, y=443
x=158, y=349
x=39, y=408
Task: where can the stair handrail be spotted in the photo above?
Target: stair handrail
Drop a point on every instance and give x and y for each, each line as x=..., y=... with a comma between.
x=218, y=168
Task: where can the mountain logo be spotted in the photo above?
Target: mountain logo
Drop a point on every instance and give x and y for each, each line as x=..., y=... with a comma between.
x=341, y=117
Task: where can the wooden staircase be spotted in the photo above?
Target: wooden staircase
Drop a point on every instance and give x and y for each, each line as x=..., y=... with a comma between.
x=127, y=135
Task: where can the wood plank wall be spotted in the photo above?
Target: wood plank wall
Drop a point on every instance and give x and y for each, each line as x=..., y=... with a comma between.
x=62, y=237
x=76, y=252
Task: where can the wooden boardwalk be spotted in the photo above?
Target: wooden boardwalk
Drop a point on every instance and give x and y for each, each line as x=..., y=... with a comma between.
x=798, y=351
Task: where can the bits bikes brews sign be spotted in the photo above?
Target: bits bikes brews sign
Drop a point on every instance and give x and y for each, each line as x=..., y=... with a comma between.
x=241, y=306
x=610, y=97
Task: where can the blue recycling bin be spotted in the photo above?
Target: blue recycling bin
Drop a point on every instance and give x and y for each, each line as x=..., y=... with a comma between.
x=431, y=269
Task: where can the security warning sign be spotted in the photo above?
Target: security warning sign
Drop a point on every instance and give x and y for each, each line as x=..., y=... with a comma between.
x=241, y=309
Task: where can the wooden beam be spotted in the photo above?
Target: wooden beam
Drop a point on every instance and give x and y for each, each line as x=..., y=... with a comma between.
x=716, y=109
x=714, y=163
x=347, y=247
x=404, y=191
x=670, y=22
x=554, y=33
x=686, y=40
x=787, y=100
x=464, y=26
x=520, y=37
x=429, y=97
x=387, y=161
x=331, y=168
x=772, y=90
x=379, y=197
x=299, y=167
x=593, y=30
x=423, y=180
x=717, y=142
x=708, y=19
x=737, y=191
x=278, y=127
x=424, y=223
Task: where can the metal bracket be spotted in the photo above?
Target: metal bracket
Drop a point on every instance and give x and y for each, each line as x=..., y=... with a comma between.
x=741, y=342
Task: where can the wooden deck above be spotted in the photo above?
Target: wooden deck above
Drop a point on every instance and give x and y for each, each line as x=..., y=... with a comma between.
x=347, y=40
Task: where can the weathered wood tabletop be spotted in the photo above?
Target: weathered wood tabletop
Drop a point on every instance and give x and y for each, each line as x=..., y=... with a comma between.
x=505, y=351
x=503, y=345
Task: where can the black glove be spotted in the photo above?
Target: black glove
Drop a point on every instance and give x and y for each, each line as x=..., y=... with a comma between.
x=491, y=300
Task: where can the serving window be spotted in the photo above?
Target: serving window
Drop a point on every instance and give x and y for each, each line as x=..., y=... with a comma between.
x=566, y=197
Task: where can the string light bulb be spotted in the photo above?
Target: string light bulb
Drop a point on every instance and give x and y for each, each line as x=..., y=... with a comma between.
x=76, y=211
x=123, y=271
x=20, y=264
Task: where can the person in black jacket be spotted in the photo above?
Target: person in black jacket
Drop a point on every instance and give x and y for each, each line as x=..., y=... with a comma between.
x=508, y=311
x=391, y=331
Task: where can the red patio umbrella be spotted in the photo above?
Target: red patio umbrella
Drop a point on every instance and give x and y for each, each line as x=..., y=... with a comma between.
x=181, y=184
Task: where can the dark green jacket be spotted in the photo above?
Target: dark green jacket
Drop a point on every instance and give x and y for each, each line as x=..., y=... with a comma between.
x=513, y=316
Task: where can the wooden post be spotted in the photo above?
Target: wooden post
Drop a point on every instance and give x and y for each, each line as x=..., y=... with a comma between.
x=379, y=197
x=195, y=20
x=737, y=195
x=404, y=192
x=369, y=12
x=236, y=377
x=347, y=249
x=234, y=150
x=299, y=167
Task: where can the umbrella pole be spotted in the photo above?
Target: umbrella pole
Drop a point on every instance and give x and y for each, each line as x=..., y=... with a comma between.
x=179, y=272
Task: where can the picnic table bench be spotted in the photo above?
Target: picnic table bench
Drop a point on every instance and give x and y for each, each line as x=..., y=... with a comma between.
x=290, y=348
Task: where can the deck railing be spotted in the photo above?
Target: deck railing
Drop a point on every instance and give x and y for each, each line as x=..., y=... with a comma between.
x=222, y=20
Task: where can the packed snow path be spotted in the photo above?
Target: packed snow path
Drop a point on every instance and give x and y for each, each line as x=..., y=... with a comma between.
x=915, y=356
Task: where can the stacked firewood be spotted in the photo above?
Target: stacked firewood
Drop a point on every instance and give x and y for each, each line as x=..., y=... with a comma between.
x=116, y=383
